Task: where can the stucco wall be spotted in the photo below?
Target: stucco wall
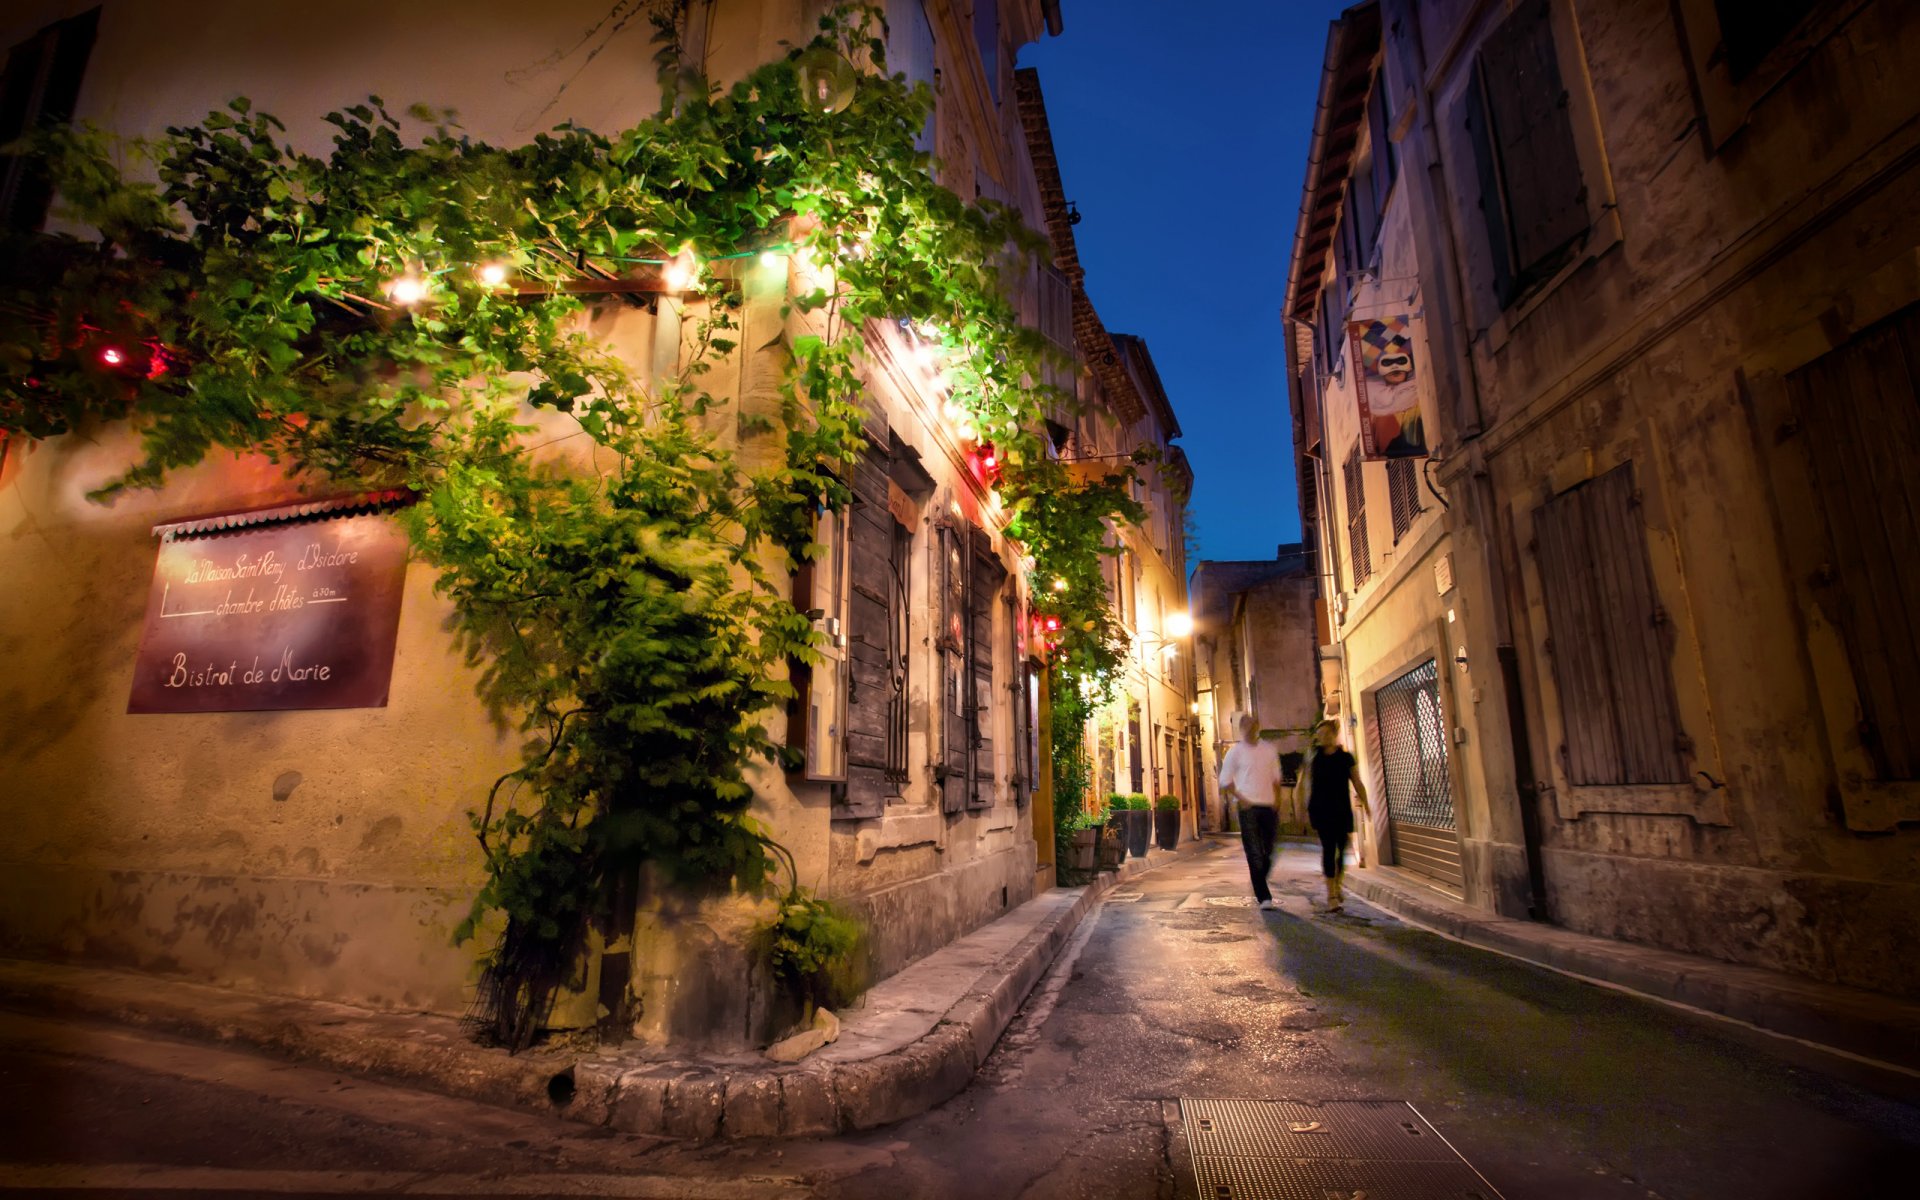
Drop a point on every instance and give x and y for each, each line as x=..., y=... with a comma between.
x=329, y=853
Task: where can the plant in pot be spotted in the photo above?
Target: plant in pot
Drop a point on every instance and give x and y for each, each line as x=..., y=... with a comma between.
x=1166, y=822
x=1085, y=840
x=1110, y=824
x=1139, y=825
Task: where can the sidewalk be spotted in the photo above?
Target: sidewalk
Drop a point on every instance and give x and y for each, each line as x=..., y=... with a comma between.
x=1883, y=1029
x=915, y=1041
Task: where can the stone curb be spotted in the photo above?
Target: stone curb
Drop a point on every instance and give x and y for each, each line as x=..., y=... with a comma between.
x=1884, y=1029
x=688, y=1099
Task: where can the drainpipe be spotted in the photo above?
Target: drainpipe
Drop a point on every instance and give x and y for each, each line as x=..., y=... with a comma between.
x=1441, y=257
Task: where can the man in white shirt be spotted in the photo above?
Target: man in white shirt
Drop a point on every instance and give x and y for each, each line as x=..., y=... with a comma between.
x=1250, y=776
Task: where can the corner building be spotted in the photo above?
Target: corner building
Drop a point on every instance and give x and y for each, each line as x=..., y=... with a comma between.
x=328, y=853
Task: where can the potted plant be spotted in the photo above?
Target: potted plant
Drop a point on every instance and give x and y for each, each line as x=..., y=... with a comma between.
x=1085, y=840
x=1166, y=822
x=1111, y=828
x=1139, y=825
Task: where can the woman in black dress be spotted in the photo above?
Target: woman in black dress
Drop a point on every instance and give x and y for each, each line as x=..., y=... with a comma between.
x=1327, y=777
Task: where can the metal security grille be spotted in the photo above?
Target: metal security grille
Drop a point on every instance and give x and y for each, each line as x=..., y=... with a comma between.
x=1413, y=743
x=1403, y=494
x=1410, y=734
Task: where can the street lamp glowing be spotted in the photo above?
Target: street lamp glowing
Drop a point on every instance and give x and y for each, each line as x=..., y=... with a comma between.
x=493, y=274
x=1179, y=625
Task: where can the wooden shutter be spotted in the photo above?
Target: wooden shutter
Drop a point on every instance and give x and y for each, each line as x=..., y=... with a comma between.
x=987, y=575
x=1532, y=131
x=1856, y=410
x=1491, y=197
x=870, y=627
x=1403, y=494
x=1357, y=549
x=40, y=85
x=955, y=745
x=1607, y=637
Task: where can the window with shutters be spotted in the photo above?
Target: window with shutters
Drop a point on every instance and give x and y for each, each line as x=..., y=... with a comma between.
x=39, y=85
x=971, y=579
x=1532, y=193
x=1857, y=412
x=1403, y=494
x=1608, y=638
x=899, y=657
x=910, y=52
x=1358, y=554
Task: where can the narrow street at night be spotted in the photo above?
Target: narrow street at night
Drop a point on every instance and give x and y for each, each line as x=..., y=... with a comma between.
x=1177, y=989
x=960, y=599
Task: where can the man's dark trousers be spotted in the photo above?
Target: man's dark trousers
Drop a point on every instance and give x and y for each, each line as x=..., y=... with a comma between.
x=1259, y=827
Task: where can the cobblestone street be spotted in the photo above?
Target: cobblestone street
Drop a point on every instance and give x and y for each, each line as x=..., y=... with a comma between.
x=1549, y=1086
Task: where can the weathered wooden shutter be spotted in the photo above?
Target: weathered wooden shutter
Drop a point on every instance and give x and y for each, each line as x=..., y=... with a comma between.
x=1491, y=197
x=900, y=627
x=987, y=576
x=870, y=625
x=1608, y=637
x=1533, y=135
x=1357, y=550
x=1856, y=410
x=1403, y=495
x=955, y=744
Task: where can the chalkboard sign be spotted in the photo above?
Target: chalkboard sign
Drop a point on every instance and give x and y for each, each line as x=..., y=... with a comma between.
x=287, y=614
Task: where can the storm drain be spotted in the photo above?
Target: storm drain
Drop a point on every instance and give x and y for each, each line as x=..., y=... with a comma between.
x=1339, y=1150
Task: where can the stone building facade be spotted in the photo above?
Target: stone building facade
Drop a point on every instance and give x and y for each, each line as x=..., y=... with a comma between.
x=1255, y=651
x=328, y=853
x=1631, y=647
x=1147, y=740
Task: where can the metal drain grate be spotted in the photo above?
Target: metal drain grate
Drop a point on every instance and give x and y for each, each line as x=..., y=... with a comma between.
x=1334, y=1179
x=1339, y=1150
x=1123, y=897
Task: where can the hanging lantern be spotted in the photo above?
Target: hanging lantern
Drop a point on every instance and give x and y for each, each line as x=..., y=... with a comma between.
x=826, y=80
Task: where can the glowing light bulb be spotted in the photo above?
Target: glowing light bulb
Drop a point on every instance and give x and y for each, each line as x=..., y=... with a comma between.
x=1179, y=624
x=113, y=356
x=493, y=274
x=968, y=433
x=1059, y=585
x=679, y=273
x=952, y=411
x=772, y=260
x=407, y=290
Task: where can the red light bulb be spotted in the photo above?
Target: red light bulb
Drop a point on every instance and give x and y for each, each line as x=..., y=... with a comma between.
x=113, y=356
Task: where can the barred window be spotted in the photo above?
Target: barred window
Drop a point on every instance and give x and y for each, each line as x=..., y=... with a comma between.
x=1403, y=491
x=1357, y=518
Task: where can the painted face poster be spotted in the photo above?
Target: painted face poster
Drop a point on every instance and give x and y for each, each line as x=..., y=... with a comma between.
x=1384, y=385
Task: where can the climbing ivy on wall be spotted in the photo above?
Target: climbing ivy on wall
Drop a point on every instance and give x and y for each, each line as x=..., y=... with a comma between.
x=398, y=312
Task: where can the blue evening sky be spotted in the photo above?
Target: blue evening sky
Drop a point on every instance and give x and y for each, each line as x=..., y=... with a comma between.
x=1182, y=132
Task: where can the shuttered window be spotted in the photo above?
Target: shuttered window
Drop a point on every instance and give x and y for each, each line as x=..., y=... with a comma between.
x=39, y=85
x=1857, y=410
x=971, y=579
x=872, y=655
x=1357, y=550
x=1403, y=493
x=1532, y=194
x=1608, y=637
x=910, y=52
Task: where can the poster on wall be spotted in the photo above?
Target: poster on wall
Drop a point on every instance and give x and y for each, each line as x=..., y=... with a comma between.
x=1384, y=386
x=279, y=612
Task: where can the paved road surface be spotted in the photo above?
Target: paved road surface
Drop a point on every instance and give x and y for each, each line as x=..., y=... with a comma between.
x=1549, y=1086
